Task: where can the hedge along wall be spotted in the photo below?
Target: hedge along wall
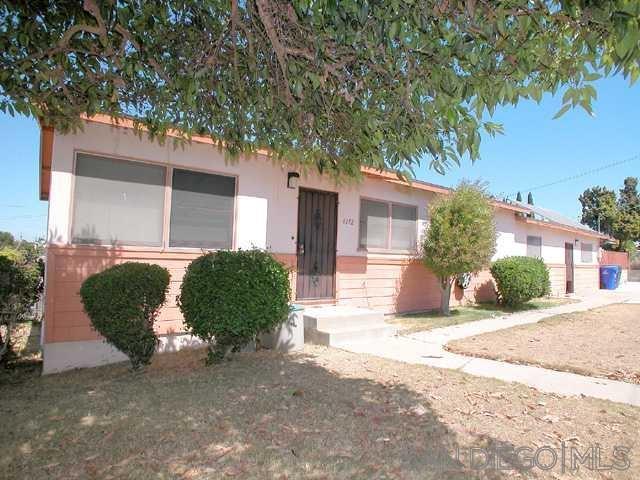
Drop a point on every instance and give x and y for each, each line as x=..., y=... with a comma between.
x=386, y=284
x=69, y=266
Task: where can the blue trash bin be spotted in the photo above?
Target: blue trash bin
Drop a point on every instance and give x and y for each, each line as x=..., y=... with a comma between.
x=609, y=276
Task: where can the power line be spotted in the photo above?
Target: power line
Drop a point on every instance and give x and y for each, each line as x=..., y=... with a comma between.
x=579, y=175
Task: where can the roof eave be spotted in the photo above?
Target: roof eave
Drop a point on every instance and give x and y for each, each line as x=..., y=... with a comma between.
x=46, y=150
x=566, y=228
x=391, y=177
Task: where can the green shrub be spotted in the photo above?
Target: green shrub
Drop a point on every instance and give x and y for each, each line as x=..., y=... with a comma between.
x=19, y=280
x=519, y=279
x=123, y=302
x=228, y=298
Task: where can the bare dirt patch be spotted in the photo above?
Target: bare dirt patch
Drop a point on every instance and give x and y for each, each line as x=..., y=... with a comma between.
x=321, y=414
x=604, y=342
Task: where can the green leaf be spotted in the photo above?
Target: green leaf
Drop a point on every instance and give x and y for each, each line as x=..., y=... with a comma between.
x=562, y=111
x=628, y=43
x=592, y=77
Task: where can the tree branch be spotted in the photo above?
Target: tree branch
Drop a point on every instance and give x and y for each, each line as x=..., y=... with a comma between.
x=264, y=10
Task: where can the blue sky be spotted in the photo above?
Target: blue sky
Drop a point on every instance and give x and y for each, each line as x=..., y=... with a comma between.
x=534, y=150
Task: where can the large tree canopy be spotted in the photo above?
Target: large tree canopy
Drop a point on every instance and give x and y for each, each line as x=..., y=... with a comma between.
x=330, y=83
x=618, y=217
x=599, y=209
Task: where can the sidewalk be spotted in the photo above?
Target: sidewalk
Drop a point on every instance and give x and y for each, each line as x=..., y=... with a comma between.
x=427, y=348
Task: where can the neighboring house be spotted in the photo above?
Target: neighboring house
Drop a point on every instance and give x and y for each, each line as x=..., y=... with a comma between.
x=115, y=196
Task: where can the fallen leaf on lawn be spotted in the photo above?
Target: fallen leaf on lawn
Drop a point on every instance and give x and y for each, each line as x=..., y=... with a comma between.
x=343, y=455
x=232, y=471
x=573, y=439
x=418, y=410
x=221, y=452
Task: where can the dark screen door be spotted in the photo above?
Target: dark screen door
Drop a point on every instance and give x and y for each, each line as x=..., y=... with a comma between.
x=568, y=262
x=317, y=228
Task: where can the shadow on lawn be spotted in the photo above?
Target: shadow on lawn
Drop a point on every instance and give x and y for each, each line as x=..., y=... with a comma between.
x=262, y=415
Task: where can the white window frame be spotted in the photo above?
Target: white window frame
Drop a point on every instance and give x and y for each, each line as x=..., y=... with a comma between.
x=387, y=248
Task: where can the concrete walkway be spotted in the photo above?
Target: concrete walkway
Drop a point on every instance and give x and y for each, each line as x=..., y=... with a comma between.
x=427, y=348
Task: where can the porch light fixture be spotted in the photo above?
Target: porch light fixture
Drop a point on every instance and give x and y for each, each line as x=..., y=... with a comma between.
x=292, y=179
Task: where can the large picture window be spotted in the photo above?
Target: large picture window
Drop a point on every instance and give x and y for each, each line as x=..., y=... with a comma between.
x=201, y=210
x=387, y=226
x=117, y=202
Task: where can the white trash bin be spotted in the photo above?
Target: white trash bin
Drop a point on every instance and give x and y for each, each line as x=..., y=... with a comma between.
x=289, y=336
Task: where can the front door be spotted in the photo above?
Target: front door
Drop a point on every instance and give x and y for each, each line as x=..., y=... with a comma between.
x=568, y=263
x=317, y=229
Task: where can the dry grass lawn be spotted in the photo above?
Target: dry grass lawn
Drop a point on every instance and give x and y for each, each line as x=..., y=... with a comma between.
x=604, y=342
x=320, y=414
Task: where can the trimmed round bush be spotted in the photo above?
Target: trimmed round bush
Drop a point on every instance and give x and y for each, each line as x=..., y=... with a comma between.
x=520, y=279
x=123, y=302
x=228, y=298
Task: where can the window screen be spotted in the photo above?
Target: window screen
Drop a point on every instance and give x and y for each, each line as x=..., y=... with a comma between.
x=201, y=210
x=374, y=224
x=534, y=246
x=587, y=252
x=117, y=202
x=403, y=227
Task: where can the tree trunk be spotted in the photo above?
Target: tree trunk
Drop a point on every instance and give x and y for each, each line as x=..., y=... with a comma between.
x=445, y=292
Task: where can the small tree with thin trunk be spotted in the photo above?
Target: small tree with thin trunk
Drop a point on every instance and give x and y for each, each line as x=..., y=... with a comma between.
x=461, y=237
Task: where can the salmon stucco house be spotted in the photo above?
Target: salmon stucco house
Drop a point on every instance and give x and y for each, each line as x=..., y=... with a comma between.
x=115, y=196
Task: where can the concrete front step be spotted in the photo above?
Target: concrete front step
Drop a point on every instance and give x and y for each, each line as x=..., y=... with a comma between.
x=331, y=317
x=343, y=336
x=336, y=325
